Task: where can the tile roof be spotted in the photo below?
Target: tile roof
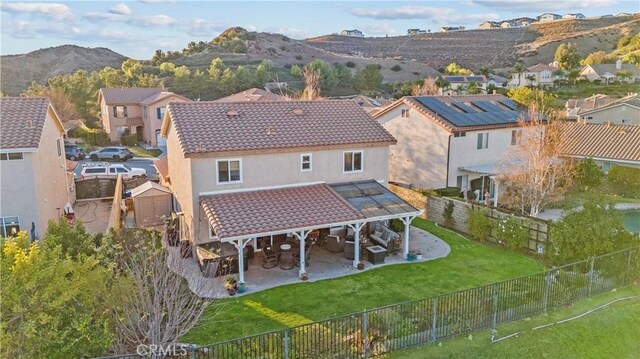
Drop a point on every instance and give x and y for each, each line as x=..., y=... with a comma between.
x=465, y=112
x=602, y=69
x=210, y=127
x=127, y=95
x=135, y=121
x=621, y=142
x=253, y=95
x=541, y=67
x=21, y=121
x=262, y=211
x=632, y=100
x=591, y=102
x=160, y=96
x=162, y=165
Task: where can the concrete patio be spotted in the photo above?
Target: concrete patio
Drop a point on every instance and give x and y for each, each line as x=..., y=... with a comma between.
x=321, y=265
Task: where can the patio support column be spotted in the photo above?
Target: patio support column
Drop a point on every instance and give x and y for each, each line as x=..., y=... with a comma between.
x=302, y=236
x=405, y=241
x=240, y=244
x=496, y=193
x=356, y=242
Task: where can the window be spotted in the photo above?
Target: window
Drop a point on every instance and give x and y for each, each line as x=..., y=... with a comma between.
x=229, y=171
x=460, y=134
x=352, y=161
x=404, y=113
x=120, y=111
x=305, y=162
x=546, y=75
x=95, y=170
x=462, y=182
x=145, y=111
x=483, y=140
x=121, y=130
x=160, y=113
x=59, y=148
x=9, y=226
x=11, y=156
x=515, y=137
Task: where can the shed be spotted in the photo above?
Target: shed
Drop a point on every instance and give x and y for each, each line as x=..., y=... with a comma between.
x=151, y=204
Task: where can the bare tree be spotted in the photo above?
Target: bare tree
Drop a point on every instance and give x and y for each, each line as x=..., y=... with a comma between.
x=533, y=174
x=312, y=81
x=428, y=88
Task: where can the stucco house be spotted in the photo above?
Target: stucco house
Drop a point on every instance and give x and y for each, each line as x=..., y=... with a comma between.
x=460, y=84
x=497, y=81
x=573, y=16
x=624, y=111
x=451, y=28
x=549, y=17
x=35, y=186
x=536, y=75
x=450, y=141
x=609, y=72
x=489, y=25
x=247, y=172
x=608, y=145
x=354, y=33
x=253, y=95
x=139, y=111
x=575, y=107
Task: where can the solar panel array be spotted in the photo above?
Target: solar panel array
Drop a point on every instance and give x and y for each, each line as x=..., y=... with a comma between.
x=475, y=78
x=482, y=112
x=372, y=199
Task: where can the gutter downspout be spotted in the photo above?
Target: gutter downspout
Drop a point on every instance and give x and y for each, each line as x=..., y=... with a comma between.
x=448, y=155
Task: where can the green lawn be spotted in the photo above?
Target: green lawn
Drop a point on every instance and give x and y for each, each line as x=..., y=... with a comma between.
x=612, y=332
x=583, y=90
x=142, y=152
x=607, y=190
x=468, y=265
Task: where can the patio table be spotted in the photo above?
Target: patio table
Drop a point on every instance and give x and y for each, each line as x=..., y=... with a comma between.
x=286, y=256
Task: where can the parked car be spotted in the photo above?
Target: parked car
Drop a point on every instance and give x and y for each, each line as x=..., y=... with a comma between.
x=111, y=169
x=111, y=153
x=73, y=153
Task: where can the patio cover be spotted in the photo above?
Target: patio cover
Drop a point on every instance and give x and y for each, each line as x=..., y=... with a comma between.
x=373, y=200
x=485, y=170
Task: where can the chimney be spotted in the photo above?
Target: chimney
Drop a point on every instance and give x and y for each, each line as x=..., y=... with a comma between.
x=618, y=64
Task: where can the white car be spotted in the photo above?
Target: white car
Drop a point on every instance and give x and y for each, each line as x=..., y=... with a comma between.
x=111, y=169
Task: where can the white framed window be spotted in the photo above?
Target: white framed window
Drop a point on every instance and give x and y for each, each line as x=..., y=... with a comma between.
x=59, y=148
x=120, y=111
x=352, y=161
x=160, y=113
x=516, y=135
x=462, y=182
x=11, y=156
x=229, y=171
x=404, y=113
x=305, y=162
x=460, y=134
x=9, y=226
x=483, y=140
x=145, y=111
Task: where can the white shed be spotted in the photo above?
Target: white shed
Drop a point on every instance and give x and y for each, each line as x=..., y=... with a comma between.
x=151, y=204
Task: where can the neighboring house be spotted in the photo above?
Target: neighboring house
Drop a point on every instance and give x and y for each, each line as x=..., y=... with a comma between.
x=549, y=17
x=625, y=111
x=253, y=95
x=248, y=171
x=451, y=28
x=573, y=16
x=369, y=104
x=139, y=111
x=460, y=84
x=354, y=33
x=35, y=184
x=625, y=14
x=413, y=32
x=609, y=72
x=575, y=107
x=608, y=145
x=489, y=25
x=497, y=81
x=450, y=141
x=508, y=24
x=536, y=75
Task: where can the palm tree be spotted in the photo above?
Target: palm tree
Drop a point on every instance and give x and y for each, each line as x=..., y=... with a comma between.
x=518, y=69
x=531, y=79
x=484, y=71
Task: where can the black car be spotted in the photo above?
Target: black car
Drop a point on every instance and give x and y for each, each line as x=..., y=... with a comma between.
x=73, y=153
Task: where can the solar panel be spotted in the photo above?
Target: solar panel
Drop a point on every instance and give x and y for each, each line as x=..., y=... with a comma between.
x=475, y=78
x=463, y=107
x=486, y=106
x=492, y=114
x=510, y=104
x=455, y=78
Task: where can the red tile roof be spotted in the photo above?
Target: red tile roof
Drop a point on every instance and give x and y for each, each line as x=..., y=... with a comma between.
x=253, y=95
x=135, y=121
x=160, y=96
x=257, y=212
x=210, y=127
x=619, y=142
x=21, y=121
x=127, y=95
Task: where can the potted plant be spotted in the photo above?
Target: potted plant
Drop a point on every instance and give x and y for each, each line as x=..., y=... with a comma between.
x=231, y=284
x=411, y=256
x=418, y=255
x=360, y=265
x=242, y=287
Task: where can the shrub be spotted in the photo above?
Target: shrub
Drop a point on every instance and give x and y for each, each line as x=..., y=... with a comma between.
x=588, y=173
x=396, y=225
x=447, y=214
x=129, y=140
x=479, y=225
x=627, y=179
x=350, y=64
x=298, y=57
x=396, y=68
x=284, y=38
x=283, y=48
x=449, y=191
x=512, y=233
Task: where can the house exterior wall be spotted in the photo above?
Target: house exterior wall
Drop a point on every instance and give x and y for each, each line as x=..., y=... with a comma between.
x=151, y=122
x=420, y=157
x=180, y=179
x=542, y=78
x=589, y=73
x=110, y=123
x=35, y=188
x=621, y=114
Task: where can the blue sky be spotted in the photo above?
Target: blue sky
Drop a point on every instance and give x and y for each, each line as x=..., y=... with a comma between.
x=137, y=28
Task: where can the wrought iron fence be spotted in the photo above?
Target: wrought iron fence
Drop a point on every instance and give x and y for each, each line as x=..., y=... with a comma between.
x=404, y=325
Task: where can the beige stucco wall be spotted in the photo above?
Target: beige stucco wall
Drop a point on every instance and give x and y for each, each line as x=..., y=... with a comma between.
x=152, y=123
x=180, y=178
x=615, y=115
x=420, y=157
x=110, y=122
x=36, y=186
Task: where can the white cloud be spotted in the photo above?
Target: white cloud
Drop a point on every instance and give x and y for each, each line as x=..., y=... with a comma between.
x=201, y=27
x=158, y=1
x=120, y=9
x=543, y=5
x=438, y=15
x=293, y=33
x=27, y=30
x=103, y=16
x=378, y=29
x=54, y=11
x=152, y=20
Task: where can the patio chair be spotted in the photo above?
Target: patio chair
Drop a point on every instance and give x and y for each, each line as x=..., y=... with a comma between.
x=307, y=256
x=335, y=244
x=349, y=250
x=270, y=255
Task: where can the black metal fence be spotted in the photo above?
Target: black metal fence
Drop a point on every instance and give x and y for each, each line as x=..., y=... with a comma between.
x=400, y=326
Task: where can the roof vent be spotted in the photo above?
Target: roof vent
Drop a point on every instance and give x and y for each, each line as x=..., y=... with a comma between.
x=270, y=131
x=233, y=113
x=298, y=111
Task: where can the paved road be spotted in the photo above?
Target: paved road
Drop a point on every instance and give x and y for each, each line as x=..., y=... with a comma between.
x=146, y=163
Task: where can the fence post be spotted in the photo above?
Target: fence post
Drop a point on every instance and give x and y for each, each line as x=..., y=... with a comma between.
x=545, y=295
x=286, y=344
x=627, y=275
x=435, y=319
x=591, y=276
x=496, y=294
x=365, y=324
